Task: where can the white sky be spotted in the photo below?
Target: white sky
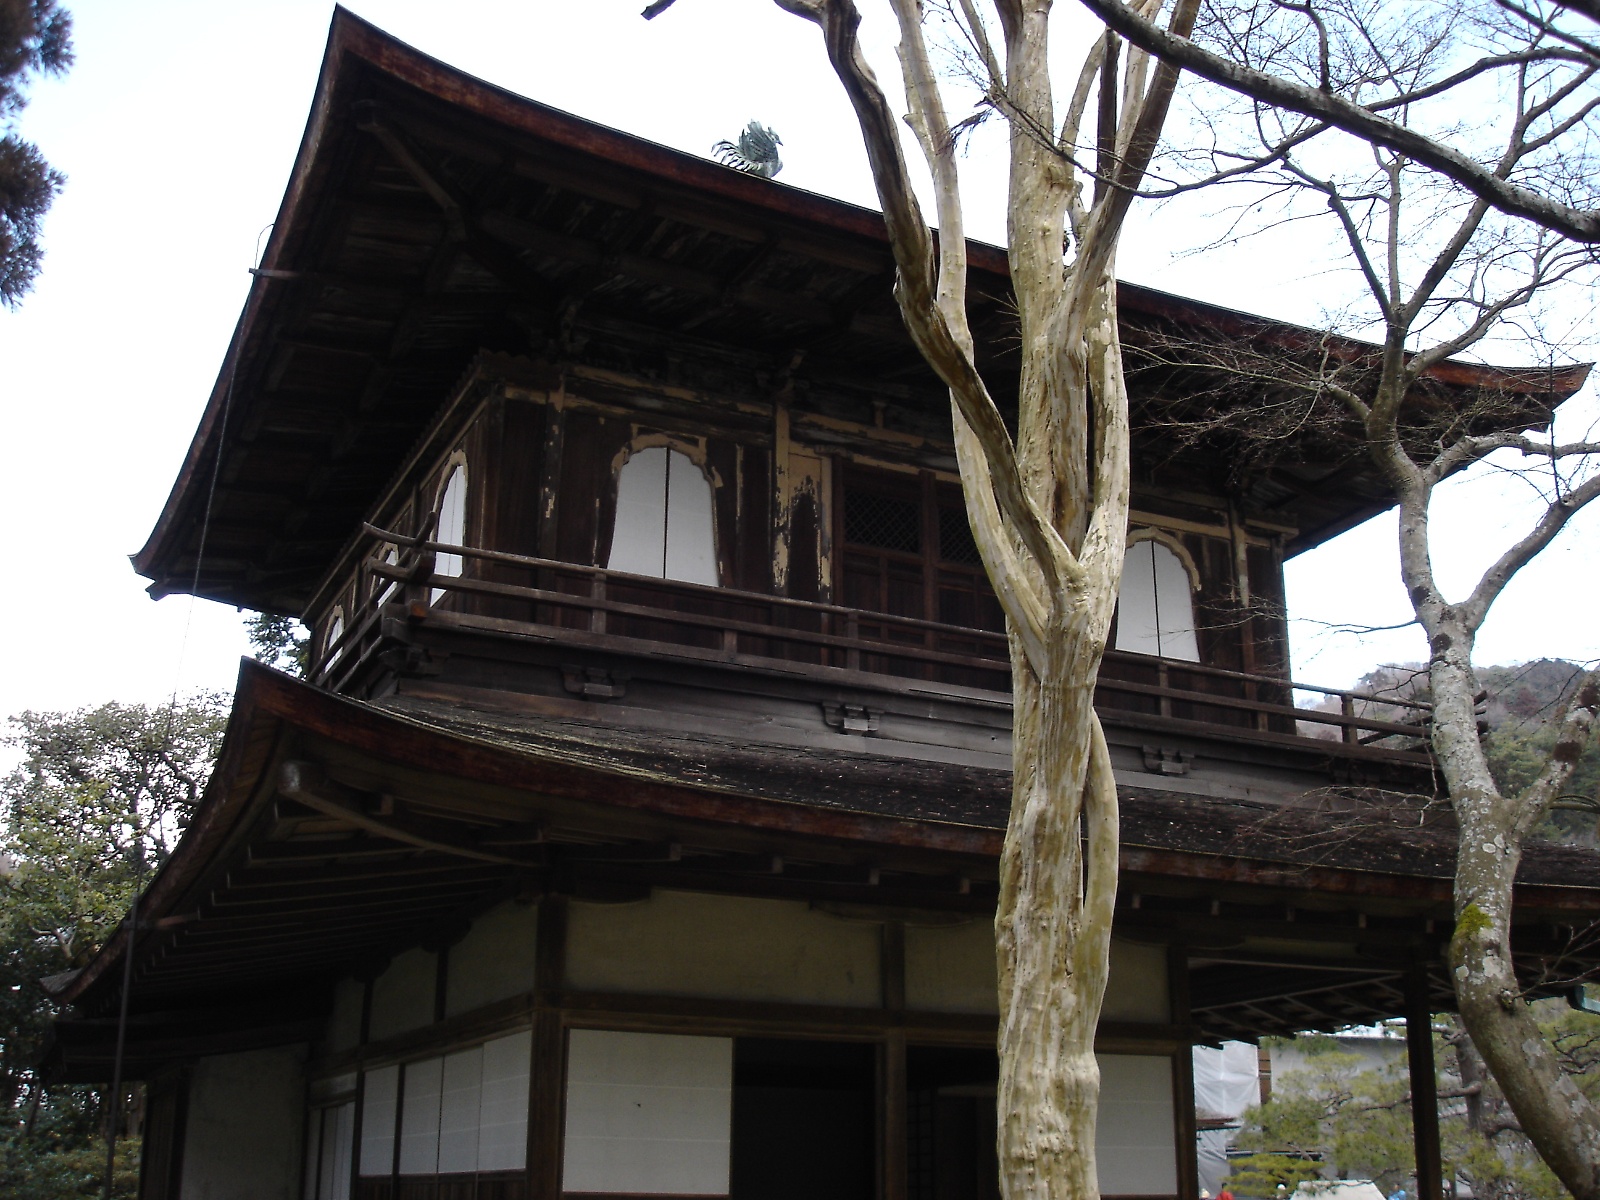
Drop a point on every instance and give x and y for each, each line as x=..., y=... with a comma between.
x=178, y=127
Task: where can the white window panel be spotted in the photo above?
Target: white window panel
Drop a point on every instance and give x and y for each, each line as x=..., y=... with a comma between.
x=691, y=543
x=638, y=540
x=648, y=1112
x=338, y=1130
x=1155, y=608
x=462, y=1087
x=379, y=1099
x=664, y=524
x=1135, y=1146
x=419, y=1118
x=452, y=527
x=503, y=1120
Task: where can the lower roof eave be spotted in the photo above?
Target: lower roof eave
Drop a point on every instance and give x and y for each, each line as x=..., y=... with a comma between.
x=189, y=917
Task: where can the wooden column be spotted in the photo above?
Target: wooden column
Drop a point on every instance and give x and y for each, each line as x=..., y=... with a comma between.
x=892, y=1129
x=1183, y=1124
x=547, y=1079
x=1424, y=1083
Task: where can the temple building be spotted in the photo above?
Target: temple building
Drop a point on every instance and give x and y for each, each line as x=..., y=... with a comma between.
x=634, y=831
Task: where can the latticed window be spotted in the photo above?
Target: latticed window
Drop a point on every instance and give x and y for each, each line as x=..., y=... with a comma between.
x=887, y=522
x=955, y=538
x=909, y=551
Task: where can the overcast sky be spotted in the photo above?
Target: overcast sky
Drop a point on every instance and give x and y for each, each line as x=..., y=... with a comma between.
x=177, y=129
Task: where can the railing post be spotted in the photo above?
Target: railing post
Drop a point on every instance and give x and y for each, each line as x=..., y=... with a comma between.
x=1347, y=708
x=418, y=592
x=852, y=633
x=1252, y=691
x=597, y=593
x=1164, y=682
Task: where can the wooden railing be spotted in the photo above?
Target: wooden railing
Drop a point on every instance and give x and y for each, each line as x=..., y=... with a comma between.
x=512, y=592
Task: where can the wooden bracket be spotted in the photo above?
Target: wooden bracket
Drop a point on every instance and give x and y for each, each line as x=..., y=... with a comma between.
x=1165, y=760
x=307, y=784
x=594, y=683
x=852, y=718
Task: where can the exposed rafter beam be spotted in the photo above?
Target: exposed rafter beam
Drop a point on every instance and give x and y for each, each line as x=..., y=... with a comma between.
x=307, y=784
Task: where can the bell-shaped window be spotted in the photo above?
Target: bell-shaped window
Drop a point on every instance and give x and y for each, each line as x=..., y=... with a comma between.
x=452, y=527
x=330, y=645
x=664, y=519
x=1155, y=610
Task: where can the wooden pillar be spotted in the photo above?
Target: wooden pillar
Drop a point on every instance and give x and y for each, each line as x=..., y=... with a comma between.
x=1424, y=1084
x=547, y=1079
x=1183, y=1122
x=892, y=1130
x=892, y=1125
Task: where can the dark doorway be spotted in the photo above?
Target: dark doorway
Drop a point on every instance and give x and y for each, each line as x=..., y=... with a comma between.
x=803, y=1120
x=950, y=1123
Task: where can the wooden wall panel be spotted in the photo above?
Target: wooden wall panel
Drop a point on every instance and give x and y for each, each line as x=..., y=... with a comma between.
x=753, y=557
x=586, y=502
x=722, y=457
x=1268, y=619
x=516, y=463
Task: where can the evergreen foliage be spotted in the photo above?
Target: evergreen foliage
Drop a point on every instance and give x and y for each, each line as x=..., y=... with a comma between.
x=1341, y=1117
x=35, y=39
x=94, y=807
x=280, y=642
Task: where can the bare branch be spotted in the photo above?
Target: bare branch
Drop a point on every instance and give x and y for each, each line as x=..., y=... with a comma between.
x=1554, y=520
x=1581, y=225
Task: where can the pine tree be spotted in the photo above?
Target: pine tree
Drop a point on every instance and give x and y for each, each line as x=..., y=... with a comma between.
x=35, y=39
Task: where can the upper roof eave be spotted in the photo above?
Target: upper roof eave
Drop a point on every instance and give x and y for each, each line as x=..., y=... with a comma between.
x=354, y=44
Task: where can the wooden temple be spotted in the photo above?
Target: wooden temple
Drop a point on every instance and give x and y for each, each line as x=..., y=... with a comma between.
x=635, y=829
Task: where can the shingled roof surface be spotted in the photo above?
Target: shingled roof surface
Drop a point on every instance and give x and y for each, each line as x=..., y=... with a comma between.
x=1339, y=828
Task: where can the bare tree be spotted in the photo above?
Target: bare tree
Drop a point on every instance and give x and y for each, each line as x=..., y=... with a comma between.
x=1048, y=511
x=1447, y=266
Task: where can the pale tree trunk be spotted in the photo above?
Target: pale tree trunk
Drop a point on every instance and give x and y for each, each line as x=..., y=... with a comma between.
x=1560, y=1121
x=1048, y=512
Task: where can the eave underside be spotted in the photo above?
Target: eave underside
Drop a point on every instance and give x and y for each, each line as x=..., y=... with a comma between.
x=432, y=217
x=336, y=834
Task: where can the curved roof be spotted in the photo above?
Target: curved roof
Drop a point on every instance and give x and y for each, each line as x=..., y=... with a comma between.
x=431, y=216
x=335, y=833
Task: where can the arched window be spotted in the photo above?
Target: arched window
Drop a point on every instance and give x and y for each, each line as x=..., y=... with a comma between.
x=664, y=524
x=384, y=589
x=452, y=527
x=335, y=632
x=1155, y=611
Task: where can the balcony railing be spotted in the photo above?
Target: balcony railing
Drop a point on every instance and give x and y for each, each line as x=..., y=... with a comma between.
x=511, y=593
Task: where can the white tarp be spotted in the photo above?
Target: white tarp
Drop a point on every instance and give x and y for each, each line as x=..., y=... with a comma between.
x=1226, y=1080
x=1226, y=1083
x=1338, y=1189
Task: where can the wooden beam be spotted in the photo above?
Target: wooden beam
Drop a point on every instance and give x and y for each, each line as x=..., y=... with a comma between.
x=307, y=784
x=1183, y=1115
x=1424, y=1083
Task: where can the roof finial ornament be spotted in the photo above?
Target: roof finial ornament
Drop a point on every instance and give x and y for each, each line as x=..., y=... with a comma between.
x=755, y=153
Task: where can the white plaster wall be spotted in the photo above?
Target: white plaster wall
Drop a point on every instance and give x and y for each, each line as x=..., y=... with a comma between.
x=647, y=1113
x=1135, y=1144
x=402, y=997
x=951, y=968
x=245, y=1122
x=344, y=1022
x=494, y=960
x=1137, y=989
x=728, y=947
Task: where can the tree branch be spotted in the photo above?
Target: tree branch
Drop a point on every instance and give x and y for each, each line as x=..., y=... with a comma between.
x=1581, y=225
